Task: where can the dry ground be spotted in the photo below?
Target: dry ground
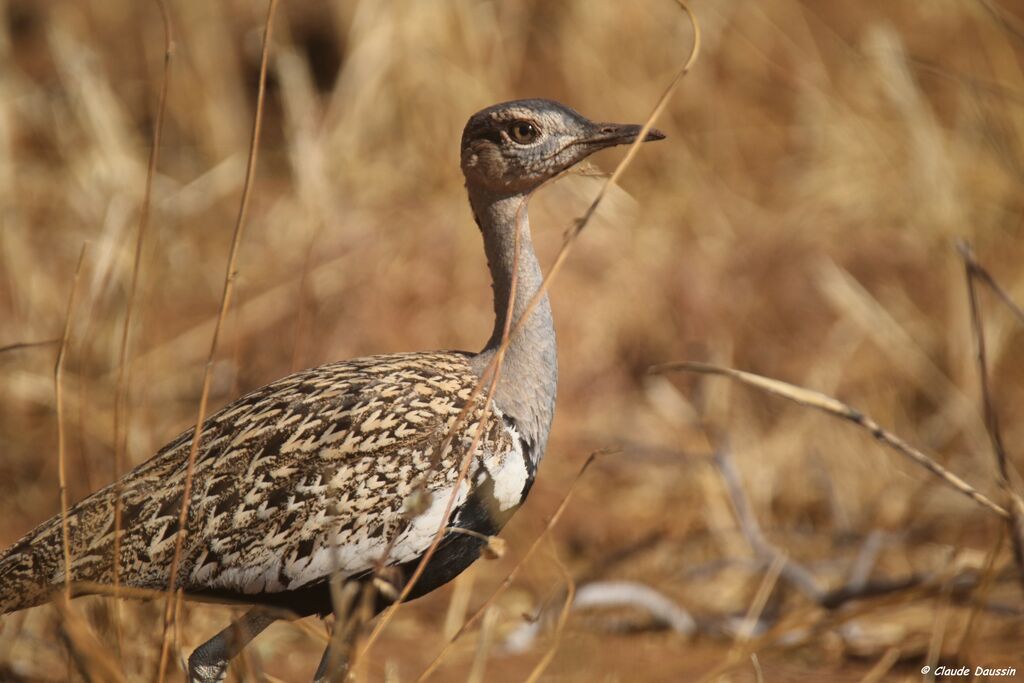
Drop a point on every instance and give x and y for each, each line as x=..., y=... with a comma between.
x=798, y=222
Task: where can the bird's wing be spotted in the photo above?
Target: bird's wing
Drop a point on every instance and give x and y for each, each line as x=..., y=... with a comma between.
x=309, y=475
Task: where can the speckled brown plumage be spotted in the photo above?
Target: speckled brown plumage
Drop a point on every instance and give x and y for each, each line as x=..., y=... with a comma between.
x=318, y=464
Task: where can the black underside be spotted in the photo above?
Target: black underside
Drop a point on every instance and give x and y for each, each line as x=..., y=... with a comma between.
x=454, y=554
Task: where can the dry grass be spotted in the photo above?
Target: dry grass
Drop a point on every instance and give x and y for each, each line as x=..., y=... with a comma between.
x=798, y=223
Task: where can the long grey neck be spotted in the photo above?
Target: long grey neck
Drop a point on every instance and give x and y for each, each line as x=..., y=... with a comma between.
x=529, y=373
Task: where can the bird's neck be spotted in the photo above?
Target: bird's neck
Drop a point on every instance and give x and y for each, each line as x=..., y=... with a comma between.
x=529, y=372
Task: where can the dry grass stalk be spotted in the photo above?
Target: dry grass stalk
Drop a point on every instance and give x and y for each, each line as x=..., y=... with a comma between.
x=58, y=381
x=749, y=624
x=1015, y=504
x=28, y=345
x=348, y=619
x=755, y=664
x=938, y=633
x=563, y=618
x=229, y=280
x=850, y=297
x=835, y=407
x=458, y=604
x=882, y=667
x=120, y=390
x=94, y=660
x=744, y=643
x=963, y=652
x=478, y=671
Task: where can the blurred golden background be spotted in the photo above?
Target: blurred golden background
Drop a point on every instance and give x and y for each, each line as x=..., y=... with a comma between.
x=798, y=222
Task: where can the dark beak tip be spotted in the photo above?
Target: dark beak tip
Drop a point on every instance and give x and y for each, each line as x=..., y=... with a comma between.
x=611, y=134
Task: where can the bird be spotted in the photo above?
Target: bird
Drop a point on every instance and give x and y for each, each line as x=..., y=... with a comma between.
x=348, y=467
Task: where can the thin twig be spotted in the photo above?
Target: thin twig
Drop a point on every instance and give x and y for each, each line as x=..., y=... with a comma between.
x=229, y=281
x=58, y=381
x=835, y=407
x=563, y=618
x=793, y=572
x=972, y=270
x=120, y=390
x=981, y=273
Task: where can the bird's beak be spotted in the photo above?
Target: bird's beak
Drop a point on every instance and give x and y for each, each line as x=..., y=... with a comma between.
x=611, y=134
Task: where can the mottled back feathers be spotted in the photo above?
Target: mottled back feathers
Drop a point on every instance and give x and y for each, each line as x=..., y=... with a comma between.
x=306, y=476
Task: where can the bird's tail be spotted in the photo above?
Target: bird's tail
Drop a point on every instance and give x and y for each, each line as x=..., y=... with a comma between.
x=24, y=581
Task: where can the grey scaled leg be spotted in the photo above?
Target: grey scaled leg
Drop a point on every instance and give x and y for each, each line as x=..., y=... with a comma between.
x=209, y=661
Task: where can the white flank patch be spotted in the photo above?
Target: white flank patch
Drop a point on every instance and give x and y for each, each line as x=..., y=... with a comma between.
x=509, y=474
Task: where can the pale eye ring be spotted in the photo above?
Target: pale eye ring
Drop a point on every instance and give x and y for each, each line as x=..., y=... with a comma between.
x=523, y=132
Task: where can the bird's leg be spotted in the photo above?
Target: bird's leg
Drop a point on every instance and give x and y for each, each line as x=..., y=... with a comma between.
x=209, y=661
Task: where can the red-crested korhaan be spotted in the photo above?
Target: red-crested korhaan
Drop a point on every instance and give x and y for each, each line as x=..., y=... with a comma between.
x=314, y=475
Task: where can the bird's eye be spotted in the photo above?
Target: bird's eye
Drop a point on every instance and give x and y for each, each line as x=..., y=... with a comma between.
x=523, y=132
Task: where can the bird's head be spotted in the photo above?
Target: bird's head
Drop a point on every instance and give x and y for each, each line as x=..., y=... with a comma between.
x=513, y=147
